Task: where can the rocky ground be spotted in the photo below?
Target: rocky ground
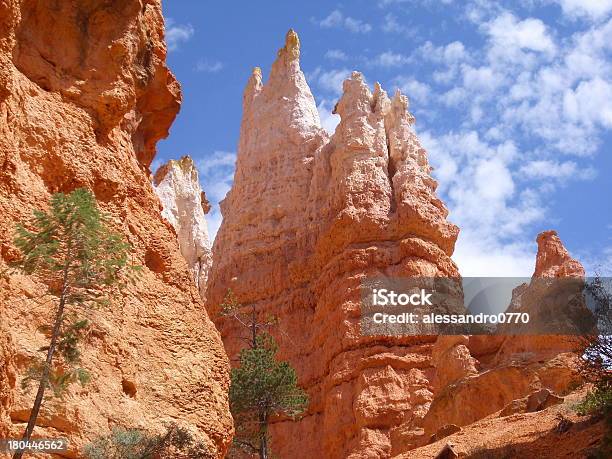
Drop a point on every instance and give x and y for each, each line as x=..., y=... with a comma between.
x=555, y=432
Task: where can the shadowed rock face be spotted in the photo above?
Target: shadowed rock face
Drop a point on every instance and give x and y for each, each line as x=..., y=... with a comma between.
x=85, y=94
x=184, y=207
x=308, y=217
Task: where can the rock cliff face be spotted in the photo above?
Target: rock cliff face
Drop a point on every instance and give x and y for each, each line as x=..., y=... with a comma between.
x=309, y=217
x=84, y=96
x=185, y=205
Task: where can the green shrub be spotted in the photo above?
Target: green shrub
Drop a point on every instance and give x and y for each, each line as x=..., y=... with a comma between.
x=122, y=443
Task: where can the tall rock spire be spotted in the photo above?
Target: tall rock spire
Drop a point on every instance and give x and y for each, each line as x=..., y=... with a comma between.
x=279, y=136
x=308, y=218
x=555, y=304
x=553, y=259
x=284, y=102
x=184, y=206
x=419, y=209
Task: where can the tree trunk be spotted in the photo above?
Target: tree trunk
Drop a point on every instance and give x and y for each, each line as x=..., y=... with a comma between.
x=45, y=375
x=263, y=436
x=253, y=328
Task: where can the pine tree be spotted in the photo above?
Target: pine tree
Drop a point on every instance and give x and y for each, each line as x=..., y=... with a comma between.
x=261, y=386
x=72, y=251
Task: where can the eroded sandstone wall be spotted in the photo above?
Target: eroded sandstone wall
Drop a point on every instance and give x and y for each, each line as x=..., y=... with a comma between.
x=85, y=94
x=485, y=374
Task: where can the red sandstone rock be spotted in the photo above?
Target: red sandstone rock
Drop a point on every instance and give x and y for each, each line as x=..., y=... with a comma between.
x=511, y=367
x=548, y=299
x=542, y=434
x=452, y=360
x=85, y=94
x=553, y=259
x=308, y=218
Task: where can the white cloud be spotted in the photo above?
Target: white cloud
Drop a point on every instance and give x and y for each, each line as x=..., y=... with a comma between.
x=216, y=176
x=390, y=59
x=525, y=90
x=452, y=56
x=477, y=258
x=336, y=54
x=542, y=169
x=507, y=32
x=414, y=89
x=392, y=25
x=481, y=79
x=595, y=9
x=454, y=97
x=356, y=25
x=590, y=102
x=329, y=121
x=493, y=180
x=336, y=19
x=449, y=54
x=477, y=182
x=176, y=34
x=527, y=86
x=209, y=66
x=329, y=80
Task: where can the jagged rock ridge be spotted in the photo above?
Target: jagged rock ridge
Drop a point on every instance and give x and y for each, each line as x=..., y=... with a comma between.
x=85, y=94
x=308, y=218
x=184, y=207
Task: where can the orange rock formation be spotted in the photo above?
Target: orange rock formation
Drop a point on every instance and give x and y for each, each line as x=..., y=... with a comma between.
x=85, y=94
x=308, y=218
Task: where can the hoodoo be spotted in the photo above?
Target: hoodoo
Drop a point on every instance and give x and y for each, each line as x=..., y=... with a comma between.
x=307, y=219
x=184, y=207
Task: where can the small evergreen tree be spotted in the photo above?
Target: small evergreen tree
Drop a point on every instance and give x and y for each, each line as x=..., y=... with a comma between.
x=73, y=252
x=261, y=386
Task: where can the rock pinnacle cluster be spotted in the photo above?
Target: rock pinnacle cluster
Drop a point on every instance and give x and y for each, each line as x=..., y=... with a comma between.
x=309, y=217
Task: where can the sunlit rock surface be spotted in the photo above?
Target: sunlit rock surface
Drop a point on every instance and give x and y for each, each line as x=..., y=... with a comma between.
x=85, y=94
x=184, y=207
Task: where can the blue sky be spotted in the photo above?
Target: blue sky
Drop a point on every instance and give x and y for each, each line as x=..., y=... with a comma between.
x=513, y=101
